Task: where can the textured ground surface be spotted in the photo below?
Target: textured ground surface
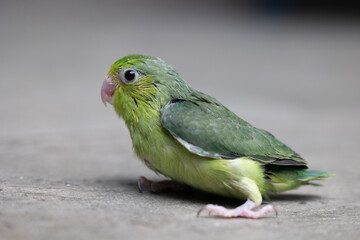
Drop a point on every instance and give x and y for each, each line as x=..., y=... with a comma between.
x=67, y=170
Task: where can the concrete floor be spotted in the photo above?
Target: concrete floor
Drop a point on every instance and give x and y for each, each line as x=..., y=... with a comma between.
x=67, y=170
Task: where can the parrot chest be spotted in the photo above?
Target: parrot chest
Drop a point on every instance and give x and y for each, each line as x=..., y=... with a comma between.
x=165, y=155
x=159, y=151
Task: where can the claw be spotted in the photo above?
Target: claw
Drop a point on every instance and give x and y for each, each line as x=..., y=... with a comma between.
x=275, y=210
x=200, y=210
x=143, y=180
x=139, y=186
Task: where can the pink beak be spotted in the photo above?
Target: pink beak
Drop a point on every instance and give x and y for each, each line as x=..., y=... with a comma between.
x=107, y=90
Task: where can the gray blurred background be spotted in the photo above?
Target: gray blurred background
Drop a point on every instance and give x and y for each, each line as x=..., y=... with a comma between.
x=66, y=165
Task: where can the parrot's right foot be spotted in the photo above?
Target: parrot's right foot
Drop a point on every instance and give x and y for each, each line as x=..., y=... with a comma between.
x=160, y=186
x=244, y=211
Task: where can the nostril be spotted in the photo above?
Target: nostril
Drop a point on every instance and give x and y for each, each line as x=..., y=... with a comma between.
x=108, y=79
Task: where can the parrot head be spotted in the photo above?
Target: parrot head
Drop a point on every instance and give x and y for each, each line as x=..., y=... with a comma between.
x=137, y=81
x=128, y=76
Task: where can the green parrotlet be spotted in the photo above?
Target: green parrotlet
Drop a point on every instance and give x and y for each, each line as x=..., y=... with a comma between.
x=196, y=141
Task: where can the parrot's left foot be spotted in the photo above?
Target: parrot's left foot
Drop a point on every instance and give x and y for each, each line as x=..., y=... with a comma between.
x=244, y=210
x=160, y=186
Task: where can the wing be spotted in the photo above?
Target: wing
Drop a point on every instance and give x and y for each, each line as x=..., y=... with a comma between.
x=211, y=130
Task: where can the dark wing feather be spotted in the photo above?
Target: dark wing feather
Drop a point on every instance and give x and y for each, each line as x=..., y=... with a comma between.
x=209, y=129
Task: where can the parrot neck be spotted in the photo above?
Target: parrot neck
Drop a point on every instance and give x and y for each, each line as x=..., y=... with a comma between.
x=139, y=116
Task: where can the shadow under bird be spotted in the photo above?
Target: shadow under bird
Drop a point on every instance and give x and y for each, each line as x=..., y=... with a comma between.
x=193, y=139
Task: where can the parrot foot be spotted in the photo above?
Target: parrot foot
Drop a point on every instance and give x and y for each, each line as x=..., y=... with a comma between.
x=160, y=186
x=244, y=210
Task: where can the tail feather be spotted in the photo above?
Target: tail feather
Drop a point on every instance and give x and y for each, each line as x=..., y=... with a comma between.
x=280, y=181
x=314, y=175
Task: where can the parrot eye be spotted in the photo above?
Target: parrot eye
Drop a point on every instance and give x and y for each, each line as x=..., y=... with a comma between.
x=128, y=75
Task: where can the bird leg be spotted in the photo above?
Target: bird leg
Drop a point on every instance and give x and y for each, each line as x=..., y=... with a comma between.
x=244, y=210
x=160, y=186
